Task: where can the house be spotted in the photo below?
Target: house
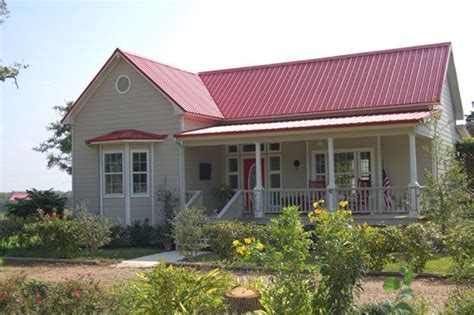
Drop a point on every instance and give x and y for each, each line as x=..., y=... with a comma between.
x=340, y=128
x=18, y=196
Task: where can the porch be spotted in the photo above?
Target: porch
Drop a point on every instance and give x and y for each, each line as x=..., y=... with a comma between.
x=377, y=171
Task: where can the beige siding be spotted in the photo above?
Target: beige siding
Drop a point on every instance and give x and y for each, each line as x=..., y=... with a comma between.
x=143, y=108
x=447, y=126
x=292, y=177
x=208, y=154
x=195, y=123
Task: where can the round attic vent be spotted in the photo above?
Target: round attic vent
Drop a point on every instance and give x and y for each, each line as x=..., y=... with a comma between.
x=122, y=85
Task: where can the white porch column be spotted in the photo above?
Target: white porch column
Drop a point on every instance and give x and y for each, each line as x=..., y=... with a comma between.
x=152, y=182
x=332, y=179
x=259, y=185
x=379, y=181
x=413, y=185
x=182, y=175
x=127, y=182
x=101, y=181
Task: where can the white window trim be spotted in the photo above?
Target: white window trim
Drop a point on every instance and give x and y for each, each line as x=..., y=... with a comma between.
x=356, y=151
x=140, y=195
x=273, y=151
x=270, y=172
x=243, y=152
x=129, y=84
x=238, y=173
x=232, y=153
x=105, y=195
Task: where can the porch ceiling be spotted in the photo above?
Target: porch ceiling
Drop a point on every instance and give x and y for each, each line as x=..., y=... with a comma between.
x=302, y=125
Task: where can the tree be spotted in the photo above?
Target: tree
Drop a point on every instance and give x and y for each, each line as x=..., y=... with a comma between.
x=46, y=200
x=470, y=122
x=8, y=72
x=58, y=145
x=446, y=197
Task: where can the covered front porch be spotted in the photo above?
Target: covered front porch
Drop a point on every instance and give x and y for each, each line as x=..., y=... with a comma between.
x=378, y=170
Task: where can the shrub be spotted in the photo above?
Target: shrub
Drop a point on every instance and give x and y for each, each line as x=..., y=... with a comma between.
x=416, y=245
x=46, y=200
x=381, y=245
x=94, y=229
x=220, y=235
x=120, y=236
x=339, y=252
x=19, y=295
x=171, y=290
x=187, y=230
x=141, y=234
x=460, y=302
x=56, y=233
x=167, y=201
x=460, y=241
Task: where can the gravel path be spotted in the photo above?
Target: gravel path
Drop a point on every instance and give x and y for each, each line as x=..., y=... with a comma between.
x=434, y=291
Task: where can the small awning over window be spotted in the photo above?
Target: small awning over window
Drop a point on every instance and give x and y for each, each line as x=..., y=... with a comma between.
x=319, y=123
x=127, y=135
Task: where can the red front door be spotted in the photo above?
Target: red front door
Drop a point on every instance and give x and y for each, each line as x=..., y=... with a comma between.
x=250, y=179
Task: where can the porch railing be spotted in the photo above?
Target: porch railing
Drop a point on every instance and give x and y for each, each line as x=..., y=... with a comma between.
x=193, y=198
x=241, y=202
x=276, y=199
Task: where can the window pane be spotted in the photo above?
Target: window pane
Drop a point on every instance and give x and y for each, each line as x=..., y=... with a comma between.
x=233, y=181
x=275, y=181
x=320, y=163
x=139, y=183
x=274, y=163
x=344, y=162
x=248, y=147
x=233, y=165
x=232, y=149
x=113, y=184
x=274, y=147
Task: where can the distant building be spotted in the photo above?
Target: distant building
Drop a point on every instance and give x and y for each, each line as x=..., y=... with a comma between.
x=18, y=196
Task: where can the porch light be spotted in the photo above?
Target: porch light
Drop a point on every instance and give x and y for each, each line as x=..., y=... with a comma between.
x=296, y=163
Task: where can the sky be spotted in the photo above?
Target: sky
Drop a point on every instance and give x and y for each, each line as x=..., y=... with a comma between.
x=66, y=42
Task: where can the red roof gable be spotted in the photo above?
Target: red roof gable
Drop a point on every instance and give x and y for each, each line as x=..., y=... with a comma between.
x=126, y=134
x=370, y=80
x=381, y=80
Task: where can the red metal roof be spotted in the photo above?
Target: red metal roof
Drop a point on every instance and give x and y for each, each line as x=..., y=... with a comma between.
x=380, y=119
x=126, y=134
x=397, y=78
x=18, y=196
x=184, y=88
x=380, y=79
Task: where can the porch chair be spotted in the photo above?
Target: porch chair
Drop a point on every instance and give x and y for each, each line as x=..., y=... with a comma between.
x=363, y=196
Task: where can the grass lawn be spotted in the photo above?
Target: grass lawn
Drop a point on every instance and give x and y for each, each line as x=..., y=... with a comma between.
x=438, y=265
x=107, y=253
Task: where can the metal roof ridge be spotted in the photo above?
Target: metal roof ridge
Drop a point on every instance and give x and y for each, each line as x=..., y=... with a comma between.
x=336, y=57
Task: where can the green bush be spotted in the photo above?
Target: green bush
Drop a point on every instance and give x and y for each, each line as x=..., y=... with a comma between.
x=55, y=233
x=46, y=200
x=339, y=252
x=460, y=246
x=136, y=235
x=171, y=290
x=382, y=243
x=220, y=235
x=94, y=229
x=188, y=231
x=460, y=303
x=416, y=245
x=19, y=295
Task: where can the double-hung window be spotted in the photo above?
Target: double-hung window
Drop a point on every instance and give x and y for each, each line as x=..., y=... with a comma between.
x=139, y=172
x=113, y=173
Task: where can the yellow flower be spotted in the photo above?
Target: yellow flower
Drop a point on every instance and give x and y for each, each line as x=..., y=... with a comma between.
x=343, y=203
x=240, y=250
x=310, y=215
x=247, y=240
x=318, y=212
x=321, y=201
x=260, y=246
x=235, y=243
x=315, y=204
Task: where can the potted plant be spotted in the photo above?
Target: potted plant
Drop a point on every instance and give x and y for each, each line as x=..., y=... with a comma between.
x=223, y=192
x=168, y=201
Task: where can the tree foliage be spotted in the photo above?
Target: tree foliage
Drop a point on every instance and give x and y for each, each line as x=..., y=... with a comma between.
x=58, y=145
x=12, y=71
x=446, y=196
x=46, y=200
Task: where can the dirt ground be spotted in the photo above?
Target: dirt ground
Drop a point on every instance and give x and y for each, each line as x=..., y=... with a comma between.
x=434, y=291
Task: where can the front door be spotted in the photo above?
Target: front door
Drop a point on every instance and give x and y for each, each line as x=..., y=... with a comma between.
x=250, y=179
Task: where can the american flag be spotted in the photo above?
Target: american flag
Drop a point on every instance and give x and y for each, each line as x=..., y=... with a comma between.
x=387, y=199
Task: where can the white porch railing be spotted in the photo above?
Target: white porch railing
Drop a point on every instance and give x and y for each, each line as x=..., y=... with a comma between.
x=193, y=198
x=362, y=200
